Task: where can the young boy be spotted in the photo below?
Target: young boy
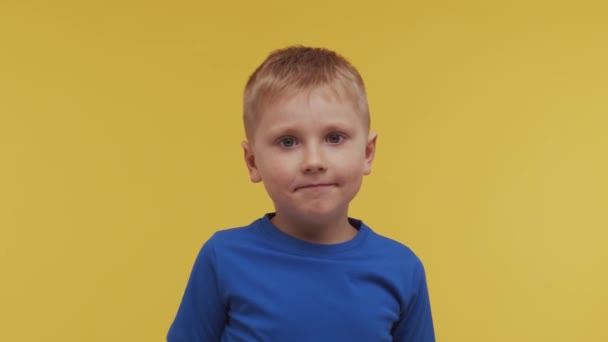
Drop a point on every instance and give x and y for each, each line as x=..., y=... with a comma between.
x=306, y=272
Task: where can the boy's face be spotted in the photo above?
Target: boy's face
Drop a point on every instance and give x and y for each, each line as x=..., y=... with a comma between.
x=311, y=151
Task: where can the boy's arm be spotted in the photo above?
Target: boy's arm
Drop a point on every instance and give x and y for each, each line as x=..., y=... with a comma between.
x=416, y=322
x=202, y=315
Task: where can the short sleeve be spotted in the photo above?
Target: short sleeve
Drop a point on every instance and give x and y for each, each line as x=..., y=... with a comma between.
x=201, y=315
x=416, y=322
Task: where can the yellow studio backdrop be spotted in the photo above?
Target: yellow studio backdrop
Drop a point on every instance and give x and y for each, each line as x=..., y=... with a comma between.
x=120, y=130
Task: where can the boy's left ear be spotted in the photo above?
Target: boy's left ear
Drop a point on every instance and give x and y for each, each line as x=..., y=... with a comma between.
x=370, y=151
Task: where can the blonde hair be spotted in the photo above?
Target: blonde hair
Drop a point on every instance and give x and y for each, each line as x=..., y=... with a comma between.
x=296, y=69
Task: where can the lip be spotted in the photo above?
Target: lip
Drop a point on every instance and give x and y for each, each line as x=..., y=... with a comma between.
x=315, y=186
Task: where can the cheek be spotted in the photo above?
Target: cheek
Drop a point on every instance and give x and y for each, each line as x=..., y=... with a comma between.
x=349, y=162
x=277, y=167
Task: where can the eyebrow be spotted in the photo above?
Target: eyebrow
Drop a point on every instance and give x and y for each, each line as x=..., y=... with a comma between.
x=292, y=129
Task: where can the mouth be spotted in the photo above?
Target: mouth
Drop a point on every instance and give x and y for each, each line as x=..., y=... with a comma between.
x=319, y=186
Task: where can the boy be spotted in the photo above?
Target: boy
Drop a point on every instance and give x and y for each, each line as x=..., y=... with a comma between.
x=306, y=272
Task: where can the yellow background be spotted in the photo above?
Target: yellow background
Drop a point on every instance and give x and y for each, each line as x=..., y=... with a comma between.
x=120, y=130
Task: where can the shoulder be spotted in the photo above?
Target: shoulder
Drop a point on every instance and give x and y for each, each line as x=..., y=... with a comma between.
x=233, y=244
x=393, y=253
x=231, y=237
x=230, y=234
x=391, y=246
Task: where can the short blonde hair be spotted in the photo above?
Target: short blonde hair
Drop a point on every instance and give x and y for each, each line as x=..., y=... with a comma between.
x=296, y=69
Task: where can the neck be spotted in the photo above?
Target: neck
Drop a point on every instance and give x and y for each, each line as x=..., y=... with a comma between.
x=331, y=231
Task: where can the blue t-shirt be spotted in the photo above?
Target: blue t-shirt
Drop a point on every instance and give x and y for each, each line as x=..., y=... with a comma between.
x=256, y=283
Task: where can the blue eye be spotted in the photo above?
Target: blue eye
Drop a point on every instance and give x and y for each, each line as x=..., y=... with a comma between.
x=287, y=142
x=334, y=138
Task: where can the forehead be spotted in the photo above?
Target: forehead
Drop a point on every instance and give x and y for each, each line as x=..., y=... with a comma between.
x=321, y=104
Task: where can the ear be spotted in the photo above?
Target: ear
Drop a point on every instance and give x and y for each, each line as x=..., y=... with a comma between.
x=370, y=151
x=254, y=175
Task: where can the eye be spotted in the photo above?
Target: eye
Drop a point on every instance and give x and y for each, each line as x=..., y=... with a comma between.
x=334, y=138
x=287, y=142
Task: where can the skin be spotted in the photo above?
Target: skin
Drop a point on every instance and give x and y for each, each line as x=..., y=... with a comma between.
x=311, y=151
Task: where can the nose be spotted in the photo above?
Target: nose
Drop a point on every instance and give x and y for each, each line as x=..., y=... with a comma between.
x=314, y=160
